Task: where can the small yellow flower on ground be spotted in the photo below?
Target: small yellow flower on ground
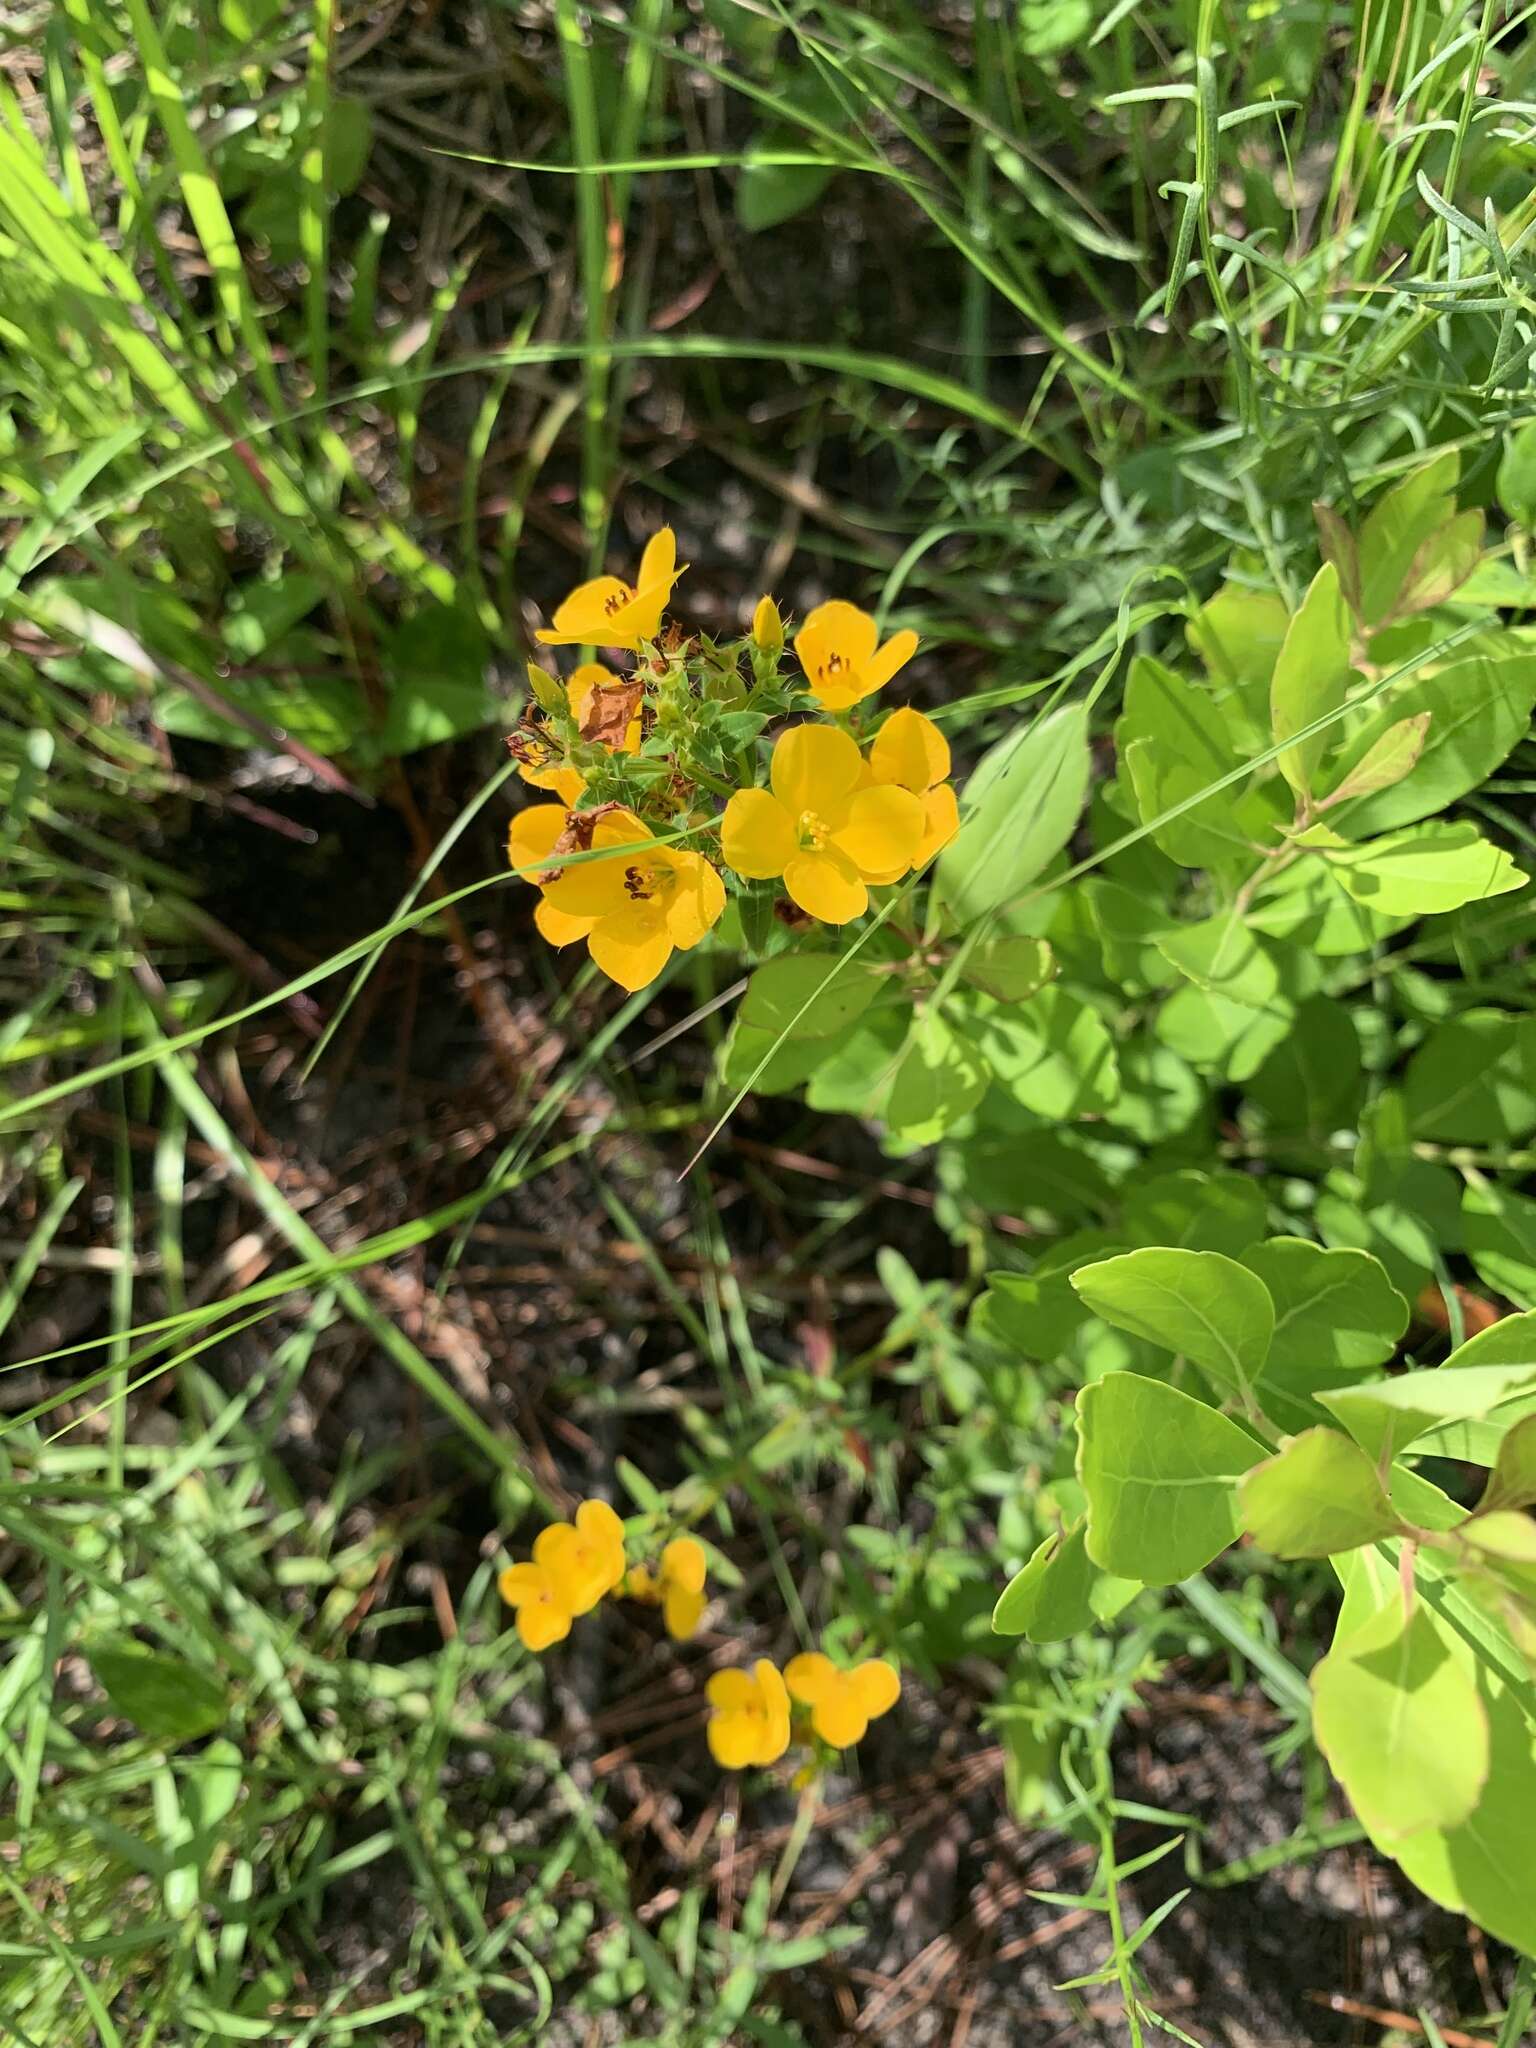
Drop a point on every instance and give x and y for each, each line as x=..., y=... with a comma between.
x=767, y=626
x=609, y=613
x=748, y=1716
x=843, y=662
x=842, y=1703
x=634, y=903
x=911, y=753
x=574, y=1565
x=817, y=828
x=677, y=1586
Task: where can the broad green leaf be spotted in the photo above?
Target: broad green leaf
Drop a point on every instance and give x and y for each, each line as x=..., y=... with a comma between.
x=435, y=666
x=1022, y=805
x=1311, y=676
x=171, y=1701
x=939, y=1077
x=1387, y=760
x=856, y=1068
x=768, y=193
x=1182, y=719
x=1339, y=547
x=1216, y=829
x=1307, y=905
x=1499, y=1231
x=1399, y=1719
x=1480, y=1867
x=1313, y=1080
x=1222, y=956
x=1335, y=1311
x=1511, y=1341
x=1478, y=708
x=1160, y=1094
x=1025, y=1175
x=1200, y=1212
x=1011, y=968
x=1049, y=1599
x=1219, y=1036
x=1426, y=869
x=1239, y=633
x=1442, y=565
x=1513, y=1482
x=1473, y=1081
x=752, y=1058
x=1160, y=1470
x=1053, y=1054
x=1202, y=1305
x=1517, y=475
x=1319, y=1495
x=1038, y=1314
x=1387, y=1416
x=808, y=995
x=1400, y=523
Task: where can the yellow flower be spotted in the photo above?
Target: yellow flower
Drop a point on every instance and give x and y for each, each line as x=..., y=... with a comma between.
x=574, y=1565
x=609, y=613
x=748, y=1717
x=767, y=626
x=842, y=1703
x=632, y=906
x=838, y=650
x=538, y=761
x=911, y=753
x=818, y=829
x=531, y=837
x=677, y=1586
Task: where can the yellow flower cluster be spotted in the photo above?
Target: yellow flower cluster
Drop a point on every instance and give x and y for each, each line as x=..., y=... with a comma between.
x=833, y=822
x=750, y=1713
x=576, y=1563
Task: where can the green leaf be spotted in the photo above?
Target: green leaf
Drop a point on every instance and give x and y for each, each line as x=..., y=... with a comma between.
x=1401, y=1724
x=1313, y=1081
x=772, y=1065
x=1318, y=1496
x=171, y=1701
x=808, y=995
x=1222, y=956
x=1400, y=523
x=1053, y=1054
x=1010, y=968
x=1387, y=760
x=1311, y=676
x=1214, y=829
x=1334, y=1310
x=1239, y=633
x=1050, y=1598
x=1202, y=1212
x=768, y=194
x=435, y=663
x=1516, y=484
x=1427, y=869
x=1478, y=709
x=1513, y=1481
x=1160, y=1471
x=1202, y=1305
x=1499, y=1231
x=1387, y=1416
x=938, y=1079
x=1473, y=1081
x=1219, y=1036
x=1021, y=806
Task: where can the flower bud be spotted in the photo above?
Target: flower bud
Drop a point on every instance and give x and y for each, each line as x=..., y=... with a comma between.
x=767, y=627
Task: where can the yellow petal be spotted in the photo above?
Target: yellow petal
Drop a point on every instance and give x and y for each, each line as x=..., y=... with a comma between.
x=775, y=1736
x=815, y=767
x=682, y=1612
x=941, y=821
x=551, y=1545
x=696, y=900
x=810, y=1676
x=531, y=835
x=559, y=927
x=876, y=1686
x=588, y=888
x=840, y=1719
x=730, y=1691
x=910, y=751
x=757, y=835
x=520, y=1582
x=583, y=619
x=659, y=562
x=543, y=1622
x=642, y=1584
x=893, y=656
x=836, y=628
x=827, y=886
x=597, y=1522
x=733, y=1740
x=879, y=830
x=770, y=1685
x=683, y=1564
x=630, y=950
